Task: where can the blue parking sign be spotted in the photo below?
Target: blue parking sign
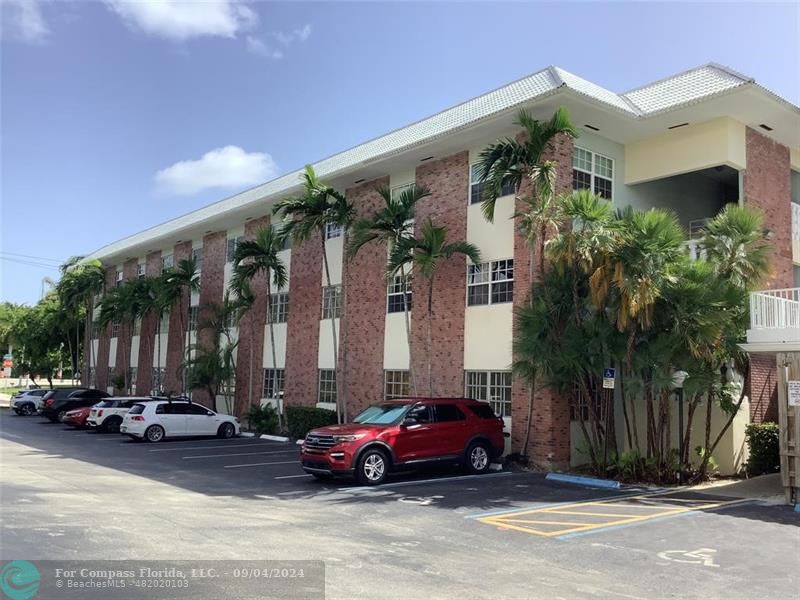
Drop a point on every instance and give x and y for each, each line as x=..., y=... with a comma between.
x=609, y=373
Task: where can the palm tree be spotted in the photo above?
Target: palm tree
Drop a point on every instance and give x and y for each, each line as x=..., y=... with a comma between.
x=735, y=243
x=80, y=284
x=510, y=161
x=182, y=281
x=72, y=305
x=426, y=254
x=251, y=258
x=391, y=224
x=310, y=215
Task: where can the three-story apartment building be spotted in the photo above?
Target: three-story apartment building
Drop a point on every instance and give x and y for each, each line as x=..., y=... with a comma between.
x=692, y=143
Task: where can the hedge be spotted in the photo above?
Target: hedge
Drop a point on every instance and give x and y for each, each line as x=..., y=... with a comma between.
x=764, y=448
x=302, y=419
x=263, y=419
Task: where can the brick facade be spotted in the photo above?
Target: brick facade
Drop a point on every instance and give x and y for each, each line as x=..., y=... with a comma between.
x=249, y=357
x=123, y=358
x=448, y=181
x=302, y=339
x=178, y=317
x=104, y=340
x=212, y=293
x=364, y=307
x=147, y=338
x=767, y=186
x=549, y=444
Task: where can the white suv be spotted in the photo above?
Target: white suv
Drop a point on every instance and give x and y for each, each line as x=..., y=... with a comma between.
x=107, y=415
x=27, y=401
x=155, y=420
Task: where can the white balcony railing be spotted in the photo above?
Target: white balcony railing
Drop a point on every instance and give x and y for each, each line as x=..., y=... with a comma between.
x=695, y=249
x=775, y=309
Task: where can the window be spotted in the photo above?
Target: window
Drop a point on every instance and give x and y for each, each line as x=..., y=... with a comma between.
x=592, y=171
x=137, y=327
x=164, y=324
x=95, y=330
x=493, y=387
x=332, y=302
x=140, y=270
x=196, y=409
x=167, y=262
x=115, y=327
x=193, y=318
x=231, y=247
x=483, y=411
x=327, y=385
x=133, y=372
x=422, y=413
x=396, y=384
x=399, y=189
x=284, y=242
x=273, y=383
x=279, y=307
x=110, y=374
x=580, y=408
x=332, y=230
x=92, y=377
x=118, y=280
x=159, y=376
x=490, y=283
x=476, y=186
x=394, y=296
x=197, y=256
x=448, y=412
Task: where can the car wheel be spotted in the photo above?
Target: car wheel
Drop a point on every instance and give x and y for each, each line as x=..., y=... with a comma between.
x=373, y=466
x=26, y=410
x=112, y=425
x=154, y=433
x=477, y=459
x=226, y=431
x=61, y=415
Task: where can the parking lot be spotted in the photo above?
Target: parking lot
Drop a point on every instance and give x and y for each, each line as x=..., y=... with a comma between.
x=435, y=534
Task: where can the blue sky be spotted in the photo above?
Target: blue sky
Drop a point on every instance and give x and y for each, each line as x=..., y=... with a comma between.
x=118, y=115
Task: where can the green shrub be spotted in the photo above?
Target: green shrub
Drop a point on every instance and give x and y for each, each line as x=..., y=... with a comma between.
x=263, y=419
x=302, y=419
x=764, y=448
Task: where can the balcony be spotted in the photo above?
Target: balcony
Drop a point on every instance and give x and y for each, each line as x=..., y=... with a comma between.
x=774, y=321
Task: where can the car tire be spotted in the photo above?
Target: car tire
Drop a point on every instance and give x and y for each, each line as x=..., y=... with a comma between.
x=477, y=458
x=154, y=434
x=111, y=425
x=226, y=431
x=26, y=410
x=373, y=467
x=60, y=416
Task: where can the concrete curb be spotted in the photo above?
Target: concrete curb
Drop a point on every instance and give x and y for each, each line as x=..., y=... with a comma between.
x=274, y=438
x=581, y=480
x=247, y=434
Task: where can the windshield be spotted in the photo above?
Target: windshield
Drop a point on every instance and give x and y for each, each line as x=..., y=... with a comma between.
x=104, y=404
x=382, y=414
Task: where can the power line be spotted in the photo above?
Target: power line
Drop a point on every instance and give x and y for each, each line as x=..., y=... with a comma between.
x=31, y=256
x=29, y=262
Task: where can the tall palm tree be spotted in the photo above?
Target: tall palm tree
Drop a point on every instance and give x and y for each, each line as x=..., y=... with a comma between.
x=391, y=224
x=426, y=253
x=510, y=161
x=252, y=257
x=735, y=243
x=182, y=281
x=80, y=284
x=309, y=215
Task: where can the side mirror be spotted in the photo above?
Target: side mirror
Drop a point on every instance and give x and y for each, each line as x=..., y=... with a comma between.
x=209, y=414
x=409, y=421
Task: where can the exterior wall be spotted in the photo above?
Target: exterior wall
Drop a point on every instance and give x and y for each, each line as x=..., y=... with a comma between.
x=767, y=186
x=251, y=339
x=124, y=345
x=212, y=288
x=690, y=148
x=147, y=339
x=178, y=317
x=302, y=343
x=104, y=343
x=448, y=181
x=361, y=353
x=549, y=444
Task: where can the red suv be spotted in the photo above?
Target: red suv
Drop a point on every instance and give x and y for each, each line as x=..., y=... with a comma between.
x=406, y=433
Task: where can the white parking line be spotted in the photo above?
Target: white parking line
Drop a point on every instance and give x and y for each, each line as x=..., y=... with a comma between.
x=293, y=476
x=288, y=462
x=236, y=454
x=421, y=481
x=211, y=447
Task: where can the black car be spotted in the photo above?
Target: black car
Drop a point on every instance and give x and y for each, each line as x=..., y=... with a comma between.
x=58, y=402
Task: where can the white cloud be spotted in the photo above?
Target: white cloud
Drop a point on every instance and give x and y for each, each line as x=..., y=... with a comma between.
x=296, y=35
x=256, y=46
x=228, y=167
x=25, y=20
x=182, y=20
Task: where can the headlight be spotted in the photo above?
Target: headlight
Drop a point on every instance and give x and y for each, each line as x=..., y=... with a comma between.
x=348, y=438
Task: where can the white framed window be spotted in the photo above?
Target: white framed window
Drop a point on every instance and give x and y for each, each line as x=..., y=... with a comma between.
x=164, y=324
x=159, y=377
x=137, y=327
x=116, y=326
x=133, y=373
x=493, y=387
x=490, y=283
x=273, y=383
x=140, y=270
x=193, y=318
x=167, y=262
x=477, y=187
x=285, y=242
x=332, y=302
x=197, y=255
x=230, y=320
x=118, y=279
x=396, y=384
x=95, y=330
x=398, y=189
x=279, y=307
x=327, y=385
x=230, y=249
x=592, y=171
x=394, y=296
x=93, y=377
x=332, y=231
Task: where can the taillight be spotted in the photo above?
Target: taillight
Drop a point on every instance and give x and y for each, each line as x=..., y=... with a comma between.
x=137, y=418
x=50, y=402
x=99, y=413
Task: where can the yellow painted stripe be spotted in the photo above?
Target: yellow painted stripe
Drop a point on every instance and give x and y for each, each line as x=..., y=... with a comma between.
x=596, y=514
x=547, y=522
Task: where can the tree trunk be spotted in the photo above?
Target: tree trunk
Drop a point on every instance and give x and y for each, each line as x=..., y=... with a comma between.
x=407, y=313
x=430, y=337
x=629, y=439
x=334, y=337
x=343, y=390
x=157, y=389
